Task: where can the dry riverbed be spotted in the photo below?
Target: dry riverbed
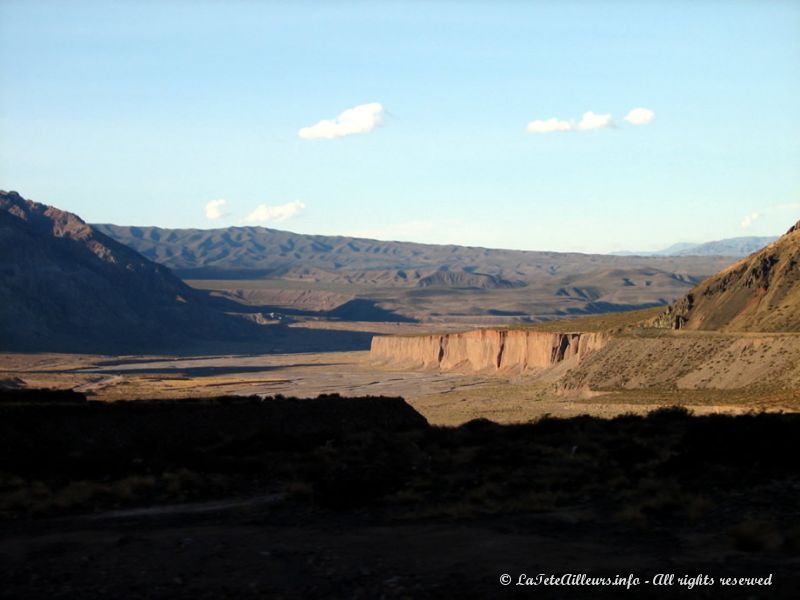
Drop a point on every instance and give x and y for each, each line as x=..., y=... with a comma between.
x=444, y=398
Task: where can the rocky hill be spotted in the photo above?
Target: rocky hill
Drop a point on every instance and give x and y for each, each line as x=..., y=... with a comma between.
x=759, y=293
x=65, y=286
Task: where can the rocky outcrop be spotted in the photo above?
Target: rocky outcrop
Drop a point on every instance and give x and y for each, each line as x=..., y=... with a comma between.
x=511, y=350
x=760, y=293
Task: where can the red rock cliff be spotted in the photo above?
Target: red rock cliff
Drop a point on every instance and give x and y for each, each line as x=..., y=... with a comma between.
x=485, y=349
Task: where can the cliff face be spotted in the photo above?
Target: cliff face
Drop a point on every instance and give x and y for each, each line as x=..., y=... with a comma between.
x=485, y=350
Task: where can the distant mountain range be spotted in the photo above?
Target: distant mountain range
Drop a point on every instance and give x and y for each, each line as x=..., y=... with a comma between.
x=422, y=281
x=252, y=252
x=736, y=247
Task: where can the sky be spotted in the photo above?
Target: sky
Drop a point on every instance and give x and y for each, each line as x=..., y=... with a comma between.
x=565, y=126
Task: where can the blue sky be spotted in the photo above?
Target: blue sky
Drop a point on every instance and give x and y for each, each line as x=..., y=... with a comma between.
x=143, y=113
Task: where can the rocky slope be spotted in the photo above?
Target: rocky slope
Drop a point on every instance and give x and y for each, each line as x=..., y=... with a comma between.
x=66, y=287
x=685, y=361
x=758, y=293
x=489, y=350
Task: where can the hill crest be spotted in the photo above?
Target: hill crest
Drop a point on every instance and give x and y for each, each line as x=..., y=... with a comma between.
x=758, y=293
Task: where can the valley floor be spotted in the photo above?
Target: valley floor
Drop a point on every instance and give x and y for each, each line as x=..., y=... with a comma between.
x=444, y=398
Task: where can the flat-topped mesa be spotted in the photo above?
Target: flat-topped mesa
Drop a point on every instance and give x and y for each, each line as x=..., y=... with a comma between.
x=485, y=349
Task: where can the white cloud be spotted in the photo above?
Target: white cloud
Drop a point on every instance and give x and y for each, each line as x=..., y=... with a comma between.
x=359, y=119
x=549, y=125
x=264, y=213
x=750, y=219
x=589, y=120
x=640, y=116
x=214, y=209
x=592, y=120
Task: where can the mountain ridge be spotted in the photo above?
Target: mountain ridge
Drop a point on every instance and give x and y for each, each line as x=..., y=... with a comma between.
x=735, y=246
x=759, y=293
x=263, y=252
x=66, y=286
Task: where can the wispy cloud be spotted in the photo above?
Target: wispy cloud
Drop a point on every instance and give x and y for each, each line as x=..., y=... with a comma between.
x=359, y=119
x=265, y=214
x=214, y=209
x=640, y=116
x=750, y=219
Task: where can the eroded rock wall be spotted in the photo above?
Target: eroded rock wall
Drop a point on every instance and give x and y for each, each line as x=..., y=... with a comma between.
x=485, y=349
x=423, y=351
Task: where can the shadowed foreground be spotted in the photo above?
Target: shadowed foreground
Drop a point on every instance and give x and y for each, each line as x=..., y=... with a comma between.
x=338, y=497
